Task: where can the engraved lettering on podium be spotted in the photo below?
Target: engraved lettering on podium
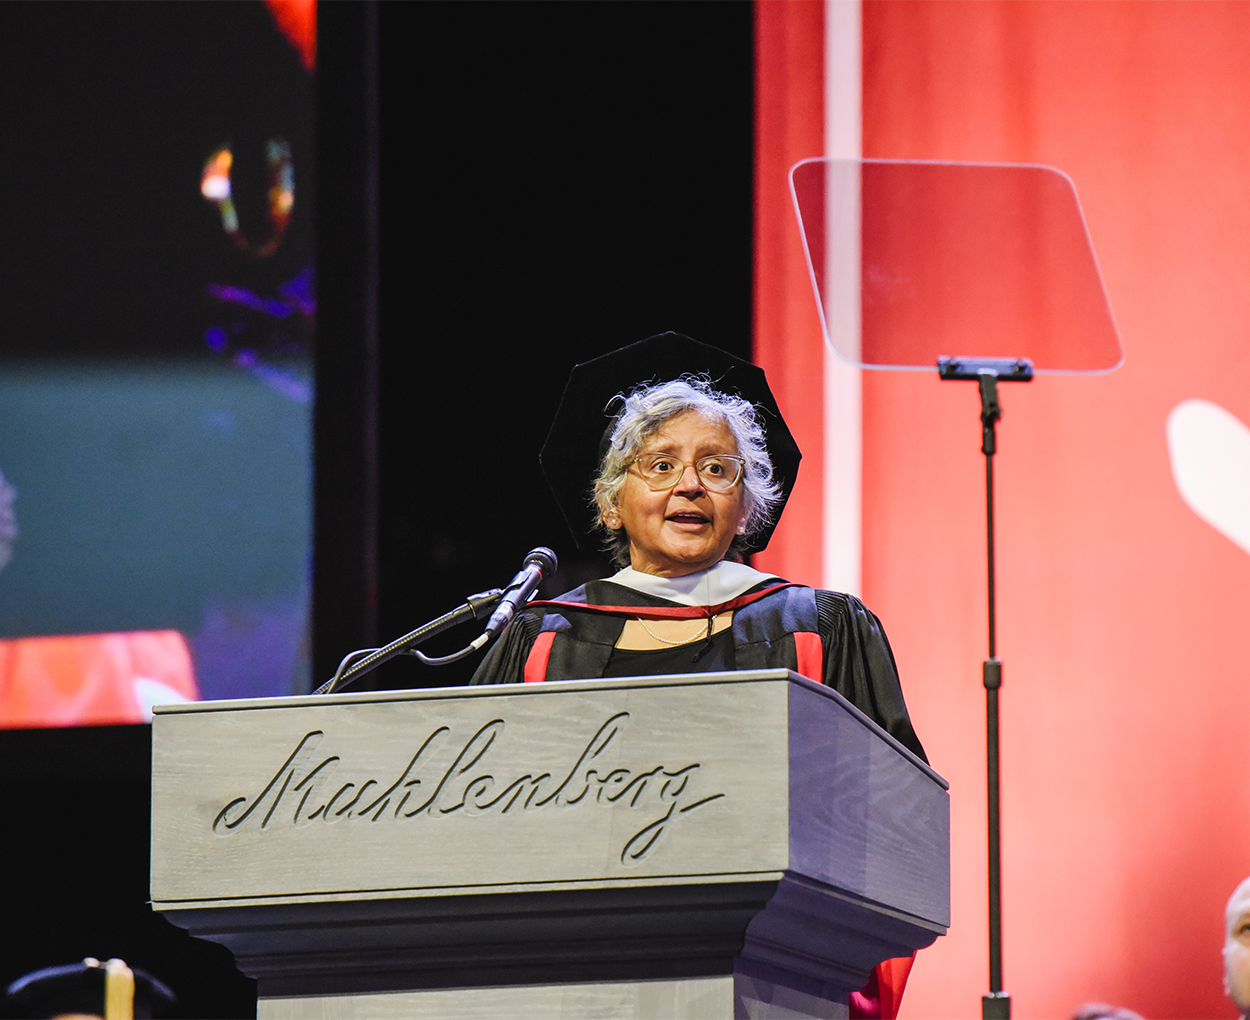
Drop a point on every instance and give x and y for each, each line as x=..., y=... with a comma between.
x=305, y=790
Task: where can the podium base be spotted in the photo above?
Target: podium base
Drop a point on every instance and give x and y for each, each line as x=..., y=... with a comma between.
x=740, y=995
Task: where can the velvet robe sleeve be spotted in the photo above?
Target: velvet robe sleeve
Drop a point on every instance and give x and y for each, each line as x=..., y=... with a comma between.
x=504, y=662
x=859, y=665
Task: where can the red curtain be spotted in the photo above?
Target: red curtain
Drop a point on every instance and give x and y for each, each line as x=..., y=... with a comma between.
x=1123, y=614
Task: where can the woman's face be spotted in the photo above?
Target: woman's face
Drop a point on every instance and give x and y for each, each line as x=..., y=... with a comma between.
x=686, y=528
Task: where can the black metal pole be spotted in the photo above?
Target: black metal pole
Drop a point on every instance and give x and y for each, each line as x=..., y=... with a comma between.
x=996, y=1005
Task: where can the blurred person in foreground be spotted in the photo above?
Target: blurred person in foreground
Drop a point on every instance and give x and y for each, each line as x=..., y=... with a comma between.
x=1237, y=948
x=89, y=990
x=1103, y=1011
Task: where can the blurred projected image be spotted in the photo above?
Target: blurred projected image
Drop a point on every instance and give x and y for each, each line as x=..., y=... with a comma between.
x=156, y=371
x=84, y=678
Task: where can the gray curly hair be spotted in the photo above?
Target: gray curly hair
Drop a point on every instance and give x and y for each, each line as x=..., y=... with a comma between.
x=646, y=409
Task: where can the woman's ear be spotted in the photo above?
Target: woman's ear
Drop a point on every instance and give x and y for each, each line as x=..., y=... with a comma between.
x=608, y=513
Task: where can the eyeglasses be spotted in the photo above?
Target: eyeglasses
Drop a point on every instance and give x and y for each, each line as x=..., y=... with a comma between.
x=718, y=473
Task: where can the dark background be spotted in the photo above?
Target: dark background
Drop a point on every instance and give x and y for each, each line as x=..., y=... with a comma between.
x=558, y=180
x=550, y=181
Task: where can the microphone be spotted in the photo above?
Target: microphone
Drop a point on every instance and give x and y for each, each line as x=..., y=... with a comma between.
x=538, y=562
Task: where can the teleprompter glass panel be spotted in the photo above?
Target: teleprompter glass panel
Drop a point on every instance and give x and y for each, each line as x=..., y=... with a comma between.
x=912, y=261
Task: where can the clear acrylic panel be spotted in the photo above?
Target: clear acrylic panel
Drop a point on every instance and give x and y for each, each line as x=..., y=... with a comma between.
x=912, y=261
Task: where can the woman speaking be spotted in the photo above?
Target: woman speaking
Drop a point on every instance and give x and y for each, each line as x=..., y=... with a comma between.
x=674, y=454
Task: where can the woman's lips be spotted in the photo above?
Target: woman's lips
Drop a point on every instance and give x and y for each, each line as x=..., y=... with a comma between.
x=687, y=517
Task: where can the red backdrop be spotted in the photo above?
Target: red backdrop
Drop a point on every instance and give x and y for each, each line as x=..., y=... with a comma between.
x=1124, y=618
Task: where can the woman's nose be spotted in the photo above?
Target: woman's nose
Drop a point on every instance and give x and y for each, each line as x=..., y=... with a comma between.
x=689, y=480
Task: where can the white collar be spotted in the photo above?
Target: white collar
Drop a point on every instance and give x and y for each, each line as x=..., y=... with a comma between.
x=725, y=581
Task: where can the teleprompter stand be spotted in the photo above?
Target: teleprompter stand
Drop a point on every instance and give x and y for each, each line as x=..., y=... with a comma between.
x=987, y=373
x=911, y=259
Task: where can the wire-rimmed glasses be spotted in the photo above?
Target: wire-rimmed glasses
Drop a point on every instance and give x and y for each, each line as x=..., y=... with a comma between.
x=718, y=473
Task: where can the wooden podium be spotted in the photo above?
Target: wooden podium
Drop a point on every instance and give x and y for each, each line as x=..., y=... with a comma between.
x=721, y=845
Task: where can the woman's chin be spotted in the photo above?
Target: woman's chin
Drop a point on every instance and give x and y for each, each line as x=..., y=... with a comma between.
x=676, y=564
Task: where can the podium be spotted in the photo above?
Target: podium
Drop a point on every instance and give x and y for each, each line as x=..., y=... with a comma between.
x=742, y=844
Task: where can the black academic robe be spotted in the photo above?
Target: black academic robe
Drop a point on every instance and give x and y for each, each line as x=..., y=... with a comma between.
x=788, y=627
